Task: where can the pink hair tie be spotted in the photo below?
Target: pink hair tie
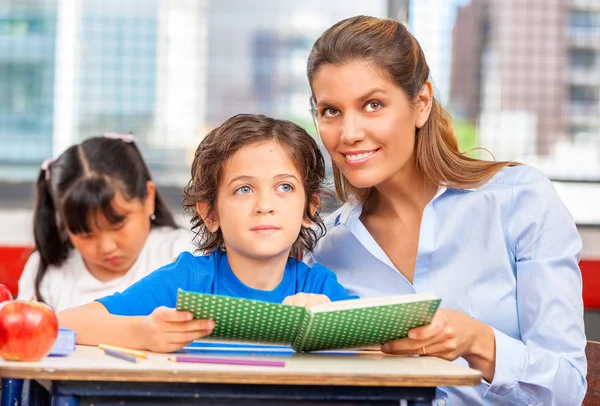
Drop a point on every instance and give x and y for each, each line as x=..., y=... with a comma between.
x=46, y=167
x=129, y=138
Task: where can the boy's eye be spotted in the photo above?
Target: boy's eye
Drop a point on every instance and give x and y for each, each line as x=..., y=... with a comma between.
x=243, y=190
x=285, y=187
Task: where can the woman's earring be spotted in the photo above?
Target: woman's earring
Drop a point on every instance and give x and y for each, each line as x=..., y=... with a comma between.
x=152, y=217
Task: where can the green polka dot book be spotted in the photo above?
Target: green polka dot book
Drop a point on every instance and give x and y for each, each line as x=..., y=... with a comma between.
x=345, y=324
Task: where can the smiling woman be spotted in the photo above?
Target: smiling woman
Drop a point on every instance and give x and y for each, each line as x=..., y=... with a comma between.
x=369, y=125
x=492, y=239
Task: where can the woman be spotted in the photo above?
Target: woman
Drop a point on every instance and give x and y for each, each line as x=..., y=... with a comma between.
x=492, y=239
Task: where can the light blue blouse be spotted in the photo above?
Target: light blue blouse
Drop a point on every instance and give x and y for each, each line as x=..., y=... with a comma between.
x=505, y=253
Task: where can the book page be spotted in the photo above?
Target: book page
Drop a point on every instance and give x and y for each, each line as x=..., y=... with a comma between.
x=372, y=302
x=364, y=326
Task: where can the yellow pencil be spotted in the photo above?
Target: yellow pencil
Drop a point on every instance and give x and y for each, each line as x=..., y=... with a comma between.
x=135, y=353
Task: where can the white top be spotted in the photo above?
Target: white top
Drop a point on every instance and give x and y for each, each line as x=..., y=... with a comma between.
x=73, y=285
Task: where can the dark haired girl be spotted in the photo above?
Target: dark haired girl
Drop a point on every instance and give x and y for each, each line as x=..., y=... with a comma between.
x=99, y=224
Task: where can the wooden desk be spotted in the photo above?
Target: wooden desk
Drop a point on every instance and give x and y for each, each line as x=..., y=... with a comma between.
x=90, y=376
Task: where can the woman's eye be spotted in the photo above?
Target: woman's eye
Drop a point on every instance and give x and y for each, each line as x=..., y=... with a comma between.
x=285, y=187
x=374, y=105
x=329, y=112
x=243, y=190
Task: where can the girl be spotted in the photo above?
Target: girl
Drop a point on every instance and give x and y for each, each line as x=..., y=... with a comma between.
x=253, y=195
x=492, y=239
x=99, y=224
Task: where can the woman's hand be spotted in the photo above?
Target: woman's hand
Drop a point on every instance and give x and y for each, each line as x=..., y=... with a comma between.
x=451, y=334
x=307, y=300
x=167, y=330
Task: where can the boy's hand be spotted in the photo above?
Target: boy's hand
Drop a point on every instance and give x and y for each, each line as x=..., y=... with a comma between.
x=307, y=300
x=167, y=330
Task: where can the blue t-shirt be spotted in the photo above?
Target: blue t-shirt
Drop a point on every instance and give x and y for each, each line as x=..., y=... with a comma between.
x=212, y=274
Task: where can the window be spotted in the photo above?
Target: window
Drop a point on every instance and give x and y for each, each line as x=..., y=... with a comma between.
x=167, y=71
x=585, y=19
x=585, y=95
x=584, y=58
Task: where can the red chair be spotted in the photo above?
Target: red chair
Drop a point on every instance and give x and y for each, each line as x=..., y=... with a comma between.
x=12, y=261
x=590, y=271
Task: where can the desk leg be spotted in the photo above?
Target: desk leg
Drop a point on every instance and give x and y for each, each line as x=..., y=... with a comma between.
x=62, y=400
x=12, y=390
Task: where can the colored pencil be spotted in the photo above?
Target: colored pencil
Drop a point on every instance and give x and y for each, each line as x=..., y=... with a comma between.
x=121, y=355
x=135, y=353
x=228, y=361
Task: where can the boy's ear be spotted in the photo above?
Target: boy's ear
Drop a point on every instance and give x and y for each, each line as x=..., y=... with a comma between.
x=313, y=207
x=203, y=209
x=150, y=198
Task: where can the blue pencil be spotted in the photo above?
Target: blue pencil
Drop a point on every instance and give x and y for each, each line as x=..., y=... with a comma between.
x=123, y=356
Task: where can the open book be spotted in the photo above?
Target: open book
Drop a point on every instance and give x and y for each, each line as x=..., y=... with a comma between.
x=345, y=324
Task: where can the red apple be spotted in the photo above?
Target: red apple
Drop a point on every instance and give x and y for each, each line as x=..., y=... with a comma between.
x=27, y=330
x=5, y=293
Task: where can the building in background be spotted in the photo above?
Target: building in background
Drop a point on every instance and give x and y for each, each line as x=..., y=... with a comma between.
x=528, y=75
x=525, y=73
x=469, y=35
x=431, y=22
x=399, y=10
x=181, y=75
x=165, y=70
x=27, y=60
x=258, y=51
x=583, y=70
x=140, y=70
x=279, y=84
x=70, y=70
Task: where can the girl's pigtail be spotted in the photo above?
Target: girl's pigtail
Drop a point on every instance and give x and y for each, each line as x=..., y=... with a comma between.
x=51, y=248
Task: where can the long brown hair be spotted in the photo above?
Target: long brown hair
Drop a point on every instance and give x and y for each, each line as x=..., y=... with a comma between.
x=387, y=45
x=237, y=132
